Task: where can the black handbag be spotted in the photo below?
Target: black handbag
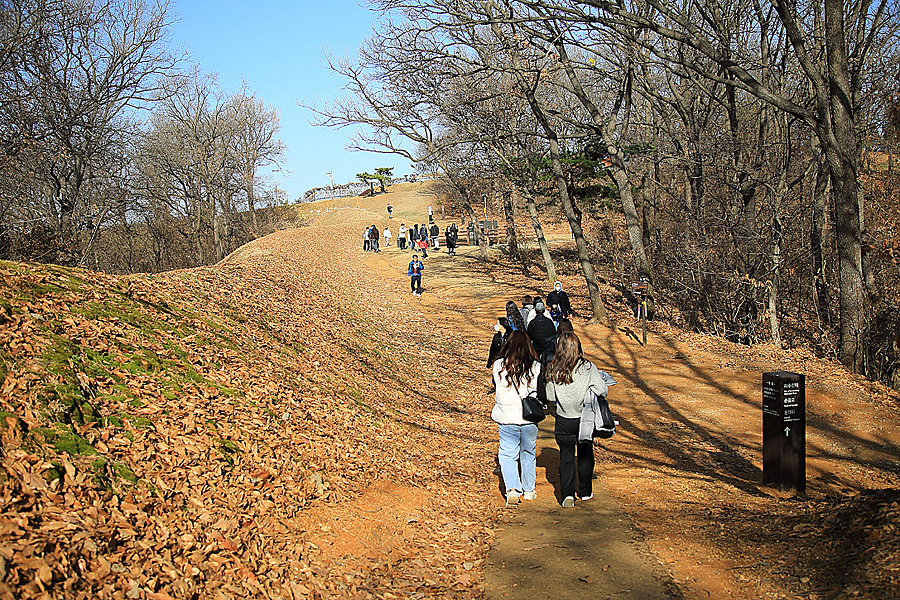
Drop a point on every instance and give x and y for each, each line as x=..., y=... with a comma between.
x=532, y=409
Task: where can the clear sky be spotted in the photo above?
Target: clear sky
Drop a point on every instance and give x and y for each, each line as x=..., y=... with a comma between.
x=278, y=47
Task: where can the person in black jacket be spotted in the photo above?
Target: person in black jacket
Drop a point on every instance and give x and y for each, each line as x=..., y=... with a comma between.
x=434, y=233
x=542, y=331
x=558, y=301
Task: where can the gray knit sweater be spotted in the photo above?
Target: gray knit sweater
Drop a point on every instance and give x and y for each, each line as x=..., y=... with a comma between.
x=569, y=397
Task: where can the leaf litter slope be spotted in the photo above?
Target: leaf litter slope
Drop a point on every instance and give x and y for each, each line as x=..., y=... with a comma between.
x=285, y=425
x=290, y=430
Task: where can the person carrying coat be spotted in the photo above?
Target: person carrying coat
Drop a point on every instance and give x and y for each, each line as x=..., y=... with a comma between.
x=568, y=376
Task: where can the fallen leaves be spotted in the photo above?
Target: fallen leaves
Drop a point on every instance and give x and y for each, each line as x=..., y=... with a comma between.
x=223, y=409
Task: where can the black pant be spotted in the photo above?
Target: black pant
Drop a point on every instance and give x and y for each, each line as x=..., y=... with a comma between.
x=415, y=283
x=567, y=440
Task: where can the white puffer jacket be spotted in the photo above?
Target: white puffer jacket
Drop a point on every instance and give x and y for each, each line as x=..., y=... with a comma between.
x=508, y=399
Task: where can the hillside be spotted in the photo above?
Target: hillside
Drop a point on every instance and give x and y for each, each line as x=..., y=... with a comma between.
x=292, y=423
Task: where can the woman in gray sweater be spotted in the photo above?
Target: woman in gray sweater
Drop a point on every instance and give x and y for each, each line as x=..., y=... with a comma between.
x=569, y=376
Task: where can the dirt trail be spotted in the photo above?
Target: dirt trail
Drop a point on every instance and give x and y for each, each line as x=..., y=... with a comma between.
x=673, y=484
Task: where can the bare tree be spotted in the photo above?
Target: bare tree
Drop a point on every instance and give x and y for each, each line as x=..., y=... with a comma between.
x=72, y=73
x=848, y=33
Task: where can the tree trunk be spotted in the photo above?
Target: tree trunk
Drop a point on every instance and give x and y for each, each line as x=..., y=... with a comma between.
x=632, y=220
x=599, y=310
x=251, y=204
x=776, y=267
x=839, y=140
x=852, y=285
x=511, y=240
x=816, y=235
x=615, y=152
x=539, y=234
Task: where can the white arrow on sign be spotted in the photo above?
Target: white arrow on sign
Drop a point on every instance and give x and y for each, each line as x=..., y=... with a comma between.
x=787, y=431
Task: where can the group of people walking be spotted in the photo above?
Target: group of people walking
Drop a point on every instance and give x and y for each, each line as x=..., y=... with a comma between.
x=540, y=355
x=418, y=238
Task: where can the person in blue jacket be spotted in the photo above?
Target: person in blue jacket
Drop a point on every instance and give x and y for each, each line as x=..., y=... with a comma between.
x=414, y=272
x=515, y=319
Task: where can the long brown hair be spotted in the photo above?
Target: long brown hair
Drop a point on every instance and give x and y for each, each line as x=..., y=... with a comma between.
x=518, y=357
x=568, y=356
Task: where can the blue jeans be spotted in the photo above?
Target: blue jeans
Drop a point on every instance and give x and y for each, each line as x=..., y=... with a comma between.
x=517, y=450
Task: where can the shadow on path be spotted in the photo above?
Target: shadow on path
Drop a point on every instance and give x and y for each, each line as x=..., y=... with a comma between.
x=590, y=551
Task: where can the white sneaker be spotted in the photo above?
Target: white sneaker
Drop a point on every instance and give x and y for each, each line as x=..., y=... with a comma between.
x=583, y=498
x=530, y=495
x=512, y=498
x=569, y=502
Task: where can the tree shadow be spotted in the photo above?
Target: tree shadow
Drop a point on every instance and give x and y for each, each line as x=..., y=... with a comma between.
x=690, y=446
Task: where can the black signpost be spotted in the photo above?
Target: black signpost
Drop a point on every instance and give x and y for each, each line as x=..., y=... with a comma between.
x=784, y=430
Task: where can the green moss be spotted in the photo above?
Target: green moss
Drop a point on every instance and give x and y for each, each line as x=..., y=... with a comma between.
x=3, y=415
x=115, y=421
x=123, y=471
x=140, y=422
x=64, y=439
x=106, y=471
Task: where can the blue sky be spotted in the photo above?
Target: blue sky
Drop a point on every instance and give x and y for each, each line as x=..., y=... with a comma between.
x=278, y=48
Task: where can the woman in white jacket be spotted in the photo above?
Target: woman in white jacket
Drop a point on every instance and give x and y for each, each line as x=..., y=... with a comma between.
x=515, y=376
x=569, y=375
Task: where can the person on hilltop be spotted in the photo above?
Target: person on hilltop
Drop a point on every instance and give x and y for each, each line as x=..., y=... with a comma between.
x=401, y=236
x=387, y=237
x=390, y=210
x=430, y=215
x=414, y=272
x=568, y=378
x=448, y=240
x=367, y=242
x=435, y=233
x=513, y=316
x=515, y=372
x=558, y=301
